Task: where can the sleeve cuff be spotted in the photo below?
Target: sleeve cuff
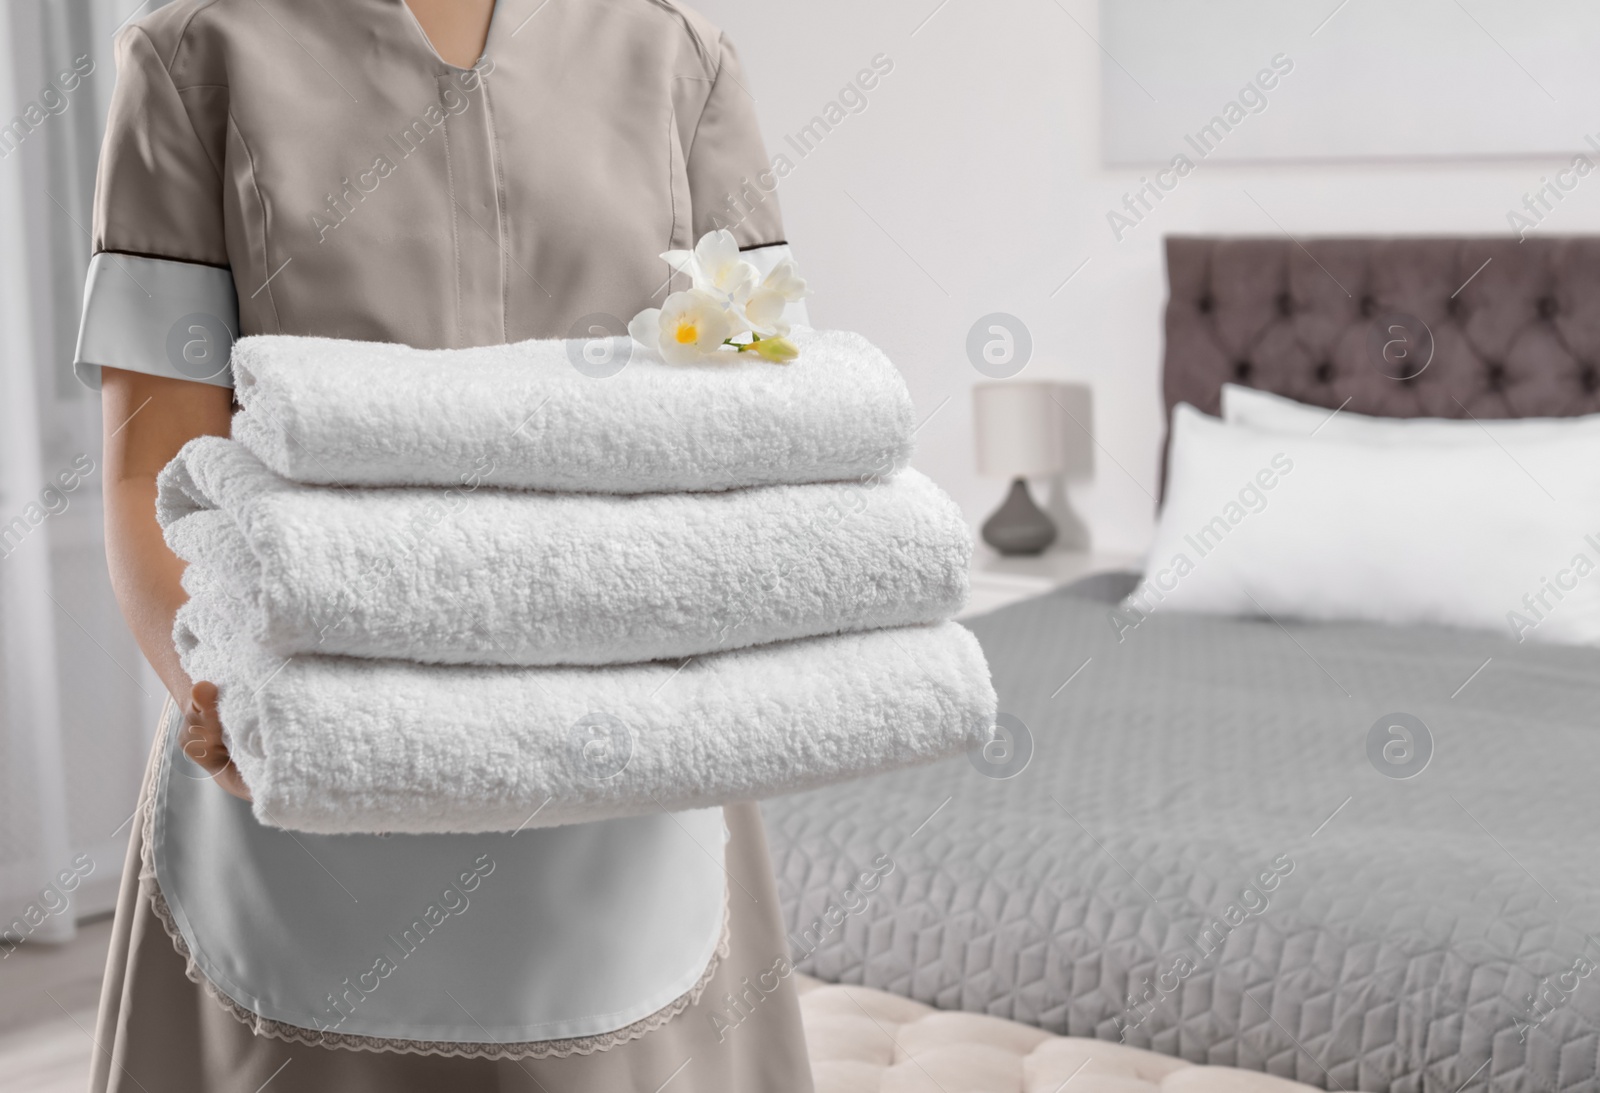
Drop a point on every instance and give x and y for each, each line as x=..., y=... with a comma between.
x=158, y=316
x=764, y=258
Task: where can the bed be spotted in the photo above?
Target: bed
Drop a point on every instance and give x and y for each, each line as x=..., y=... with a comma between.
x=1200, y=855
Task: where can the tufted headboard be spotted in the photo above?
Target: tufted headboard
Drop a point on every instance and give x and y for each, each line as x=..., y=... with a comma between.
x=1353, y=318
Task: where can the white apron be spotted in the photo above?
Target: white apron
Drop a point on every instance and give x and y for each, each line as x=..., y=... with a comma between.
x=545, y=934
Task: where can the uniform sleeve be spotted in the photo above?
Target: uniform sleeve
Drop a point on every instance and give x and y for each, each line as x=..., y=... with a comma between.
x=732, y=182
x=160, y=297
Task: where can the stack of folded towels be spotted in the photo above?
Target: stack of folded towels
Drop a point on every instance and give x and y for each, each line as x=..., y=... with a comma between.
x=475, y=590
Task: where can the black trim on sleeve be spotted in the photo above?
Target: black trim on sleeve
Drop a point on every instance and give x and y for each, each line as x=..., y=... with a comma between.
x=166, y=258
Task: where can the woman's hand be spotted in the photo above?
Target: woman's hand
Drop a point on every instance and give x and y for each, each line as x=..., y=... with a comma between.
x=201, y=737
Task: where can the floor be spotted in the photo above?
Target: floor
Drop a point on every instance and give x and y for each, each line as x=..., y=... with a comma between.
x=47, y=1005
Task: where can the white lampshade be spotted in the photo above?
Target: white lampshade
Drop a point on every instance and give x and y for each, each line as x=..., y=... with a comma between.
x=1020, y=429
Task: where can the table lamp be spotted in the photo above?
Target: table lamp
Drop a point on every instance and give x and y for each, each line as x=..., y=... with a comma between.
x=1020, y=431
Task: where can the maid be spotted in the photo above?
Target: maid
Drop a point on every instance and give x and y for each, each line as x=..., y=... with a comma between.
x=442, y=173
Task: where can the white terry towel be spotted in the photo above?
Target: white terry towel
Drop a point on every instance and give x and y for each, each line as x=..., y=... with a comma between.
x=338, y=744
x=524, y=578
x=524, y=416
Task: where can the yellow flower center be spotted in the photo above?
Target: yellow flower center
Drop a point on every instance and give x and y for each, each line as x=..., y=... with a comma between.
x=687, y=332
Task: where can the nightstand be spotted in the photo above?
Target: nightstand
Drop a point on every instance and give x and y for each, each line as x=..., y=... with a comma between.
x=998, y=580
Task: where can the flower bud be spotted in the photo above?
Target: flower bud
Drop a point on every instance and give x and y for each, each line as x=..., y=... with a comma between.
x=777, y=350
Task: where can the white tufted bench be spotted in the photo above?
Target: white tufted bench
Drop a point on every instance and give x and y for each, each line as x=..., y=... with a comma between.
x=867, y=1041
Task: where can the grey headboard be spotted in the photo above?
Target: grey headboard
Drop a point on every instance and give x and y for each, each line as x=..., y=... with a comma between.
x=1518, y=337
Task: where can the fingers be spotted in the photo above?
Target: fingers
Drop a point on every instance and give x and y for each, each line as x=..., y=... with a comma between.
x=202, y=740
x=203, y=698
x=202, y=729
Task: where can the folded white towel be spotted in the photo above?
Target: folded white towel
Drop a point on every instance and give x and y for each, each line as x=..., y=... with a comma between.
x=338, y=744
x=523, y=578
x=524, y=416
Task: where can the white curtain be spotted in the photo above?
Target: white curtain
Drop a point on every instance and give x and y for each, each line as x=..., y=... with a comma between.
x=77, y=703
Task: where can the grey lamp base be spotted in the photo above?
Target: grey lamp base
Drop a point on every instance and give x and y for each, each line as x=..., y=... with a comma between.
x=1019, y=526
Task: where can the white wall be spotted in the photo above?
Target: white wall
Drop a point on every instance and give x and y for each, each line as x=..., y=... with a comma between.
x=94, y=699
x=979, y=156
x=1488, y=78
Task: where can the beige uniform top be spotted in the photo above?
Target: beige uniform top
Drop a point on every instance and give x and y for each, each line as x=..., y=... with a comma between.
x=313, y=167
x=357, y=186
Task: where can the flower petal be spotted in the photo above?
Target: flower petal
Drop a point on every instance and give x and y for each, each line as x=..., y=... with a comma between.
x=716, y=251
x=674, y=353
x=645, y=328
x=764, y=312
x=739, y=281
x=681, y=261
x=785, y=279
x=720, y=268
x=694, y=324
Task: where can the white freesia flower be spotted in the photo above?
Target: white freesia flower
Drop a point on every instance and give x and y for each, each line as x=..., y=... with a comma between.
x=689, y=327
x=727, y=298
x=716, y=266
x=764, y=308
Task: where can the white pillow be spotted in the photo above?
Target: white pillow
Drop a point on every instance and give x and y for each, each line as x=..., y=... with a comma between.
x=1260, y=410
x=1304, y=527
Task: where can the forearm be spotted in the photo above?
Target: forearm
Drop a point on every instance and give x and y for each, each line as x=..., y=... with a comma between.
x=146, y=576
x=147, y=419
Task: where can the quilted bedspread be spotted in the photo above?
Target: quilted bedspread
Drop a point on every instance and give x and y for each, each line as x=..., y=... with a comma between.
x=1358, y=857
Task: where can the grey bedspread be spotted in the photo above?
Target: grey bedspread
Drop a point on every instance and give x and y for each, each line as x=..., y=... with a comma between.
x=1201, y=857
